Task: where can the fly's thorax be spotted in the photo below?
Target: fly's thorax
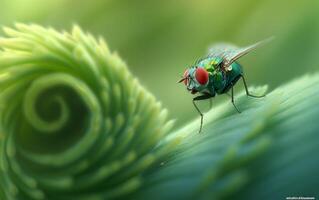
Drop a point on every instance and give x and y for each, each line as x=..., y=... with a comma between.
x=217, y=77
x=219, y=81
x=210, y=63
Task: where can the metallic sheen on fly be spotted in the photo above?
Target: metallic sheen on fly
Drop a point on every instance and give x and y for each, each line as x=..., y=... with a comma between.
x=217, y=73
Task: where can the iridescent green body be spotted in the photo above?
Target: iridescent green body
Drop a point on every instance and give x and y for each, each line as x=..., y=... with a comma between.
x=220, y=81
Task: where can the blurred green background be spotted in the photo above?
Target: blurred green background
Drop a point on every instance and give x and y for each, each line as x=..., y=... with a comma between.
x=159, y=39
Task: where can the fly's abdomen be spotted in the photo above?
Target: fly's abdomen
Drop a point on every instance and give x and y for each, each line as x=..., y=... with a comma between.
x=232, y=76
x=235, y=73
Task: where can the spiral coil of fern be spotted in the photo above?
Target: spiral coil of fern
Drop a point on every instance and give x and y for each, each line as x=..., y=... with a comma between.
x=74, y=123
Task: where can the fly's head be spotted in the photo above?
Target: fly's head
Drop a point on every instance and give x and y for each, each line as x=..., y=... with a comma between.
x=195, y=79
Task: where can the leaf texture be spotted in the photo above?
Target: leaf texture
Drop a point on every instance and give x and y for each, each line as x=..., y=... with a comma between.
x=266, y=152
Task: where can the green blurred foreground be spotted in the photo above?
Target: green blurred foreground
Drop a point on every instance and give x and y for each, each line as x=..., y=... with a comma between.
x=75, y=124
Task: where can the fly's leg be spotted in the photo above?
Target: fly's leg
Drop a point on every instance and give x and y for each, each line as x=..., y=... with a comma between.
x=210, y=103
x=232, y=98
x=198, y=98
x=246, y=88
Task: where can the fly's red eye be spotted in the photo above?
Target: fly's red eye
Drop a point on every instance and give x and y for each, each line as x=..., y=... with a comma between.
x=184, y=76
x=201, y=75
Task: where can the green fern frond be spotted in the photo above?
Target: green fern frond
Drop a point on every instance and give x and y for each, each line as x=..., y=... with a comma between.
x=74, y=122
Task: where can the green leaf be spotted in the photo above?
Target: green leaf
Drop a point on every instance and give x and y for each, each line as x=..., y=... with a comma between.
x=266, y=152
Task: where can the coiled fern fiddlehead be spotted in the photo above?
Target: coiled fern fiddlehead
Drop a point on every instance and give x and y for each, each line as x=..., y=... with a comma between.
x=74, y=123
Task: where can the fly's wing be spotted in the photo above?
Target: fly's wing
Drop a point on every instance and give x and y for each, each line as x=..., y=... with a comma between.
x=222, y=50
x=231, y=53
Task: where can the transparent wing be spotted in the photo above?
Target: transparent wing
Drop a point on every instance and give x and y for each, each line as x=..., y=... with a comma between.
x=231, y=53
x=221, y=49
